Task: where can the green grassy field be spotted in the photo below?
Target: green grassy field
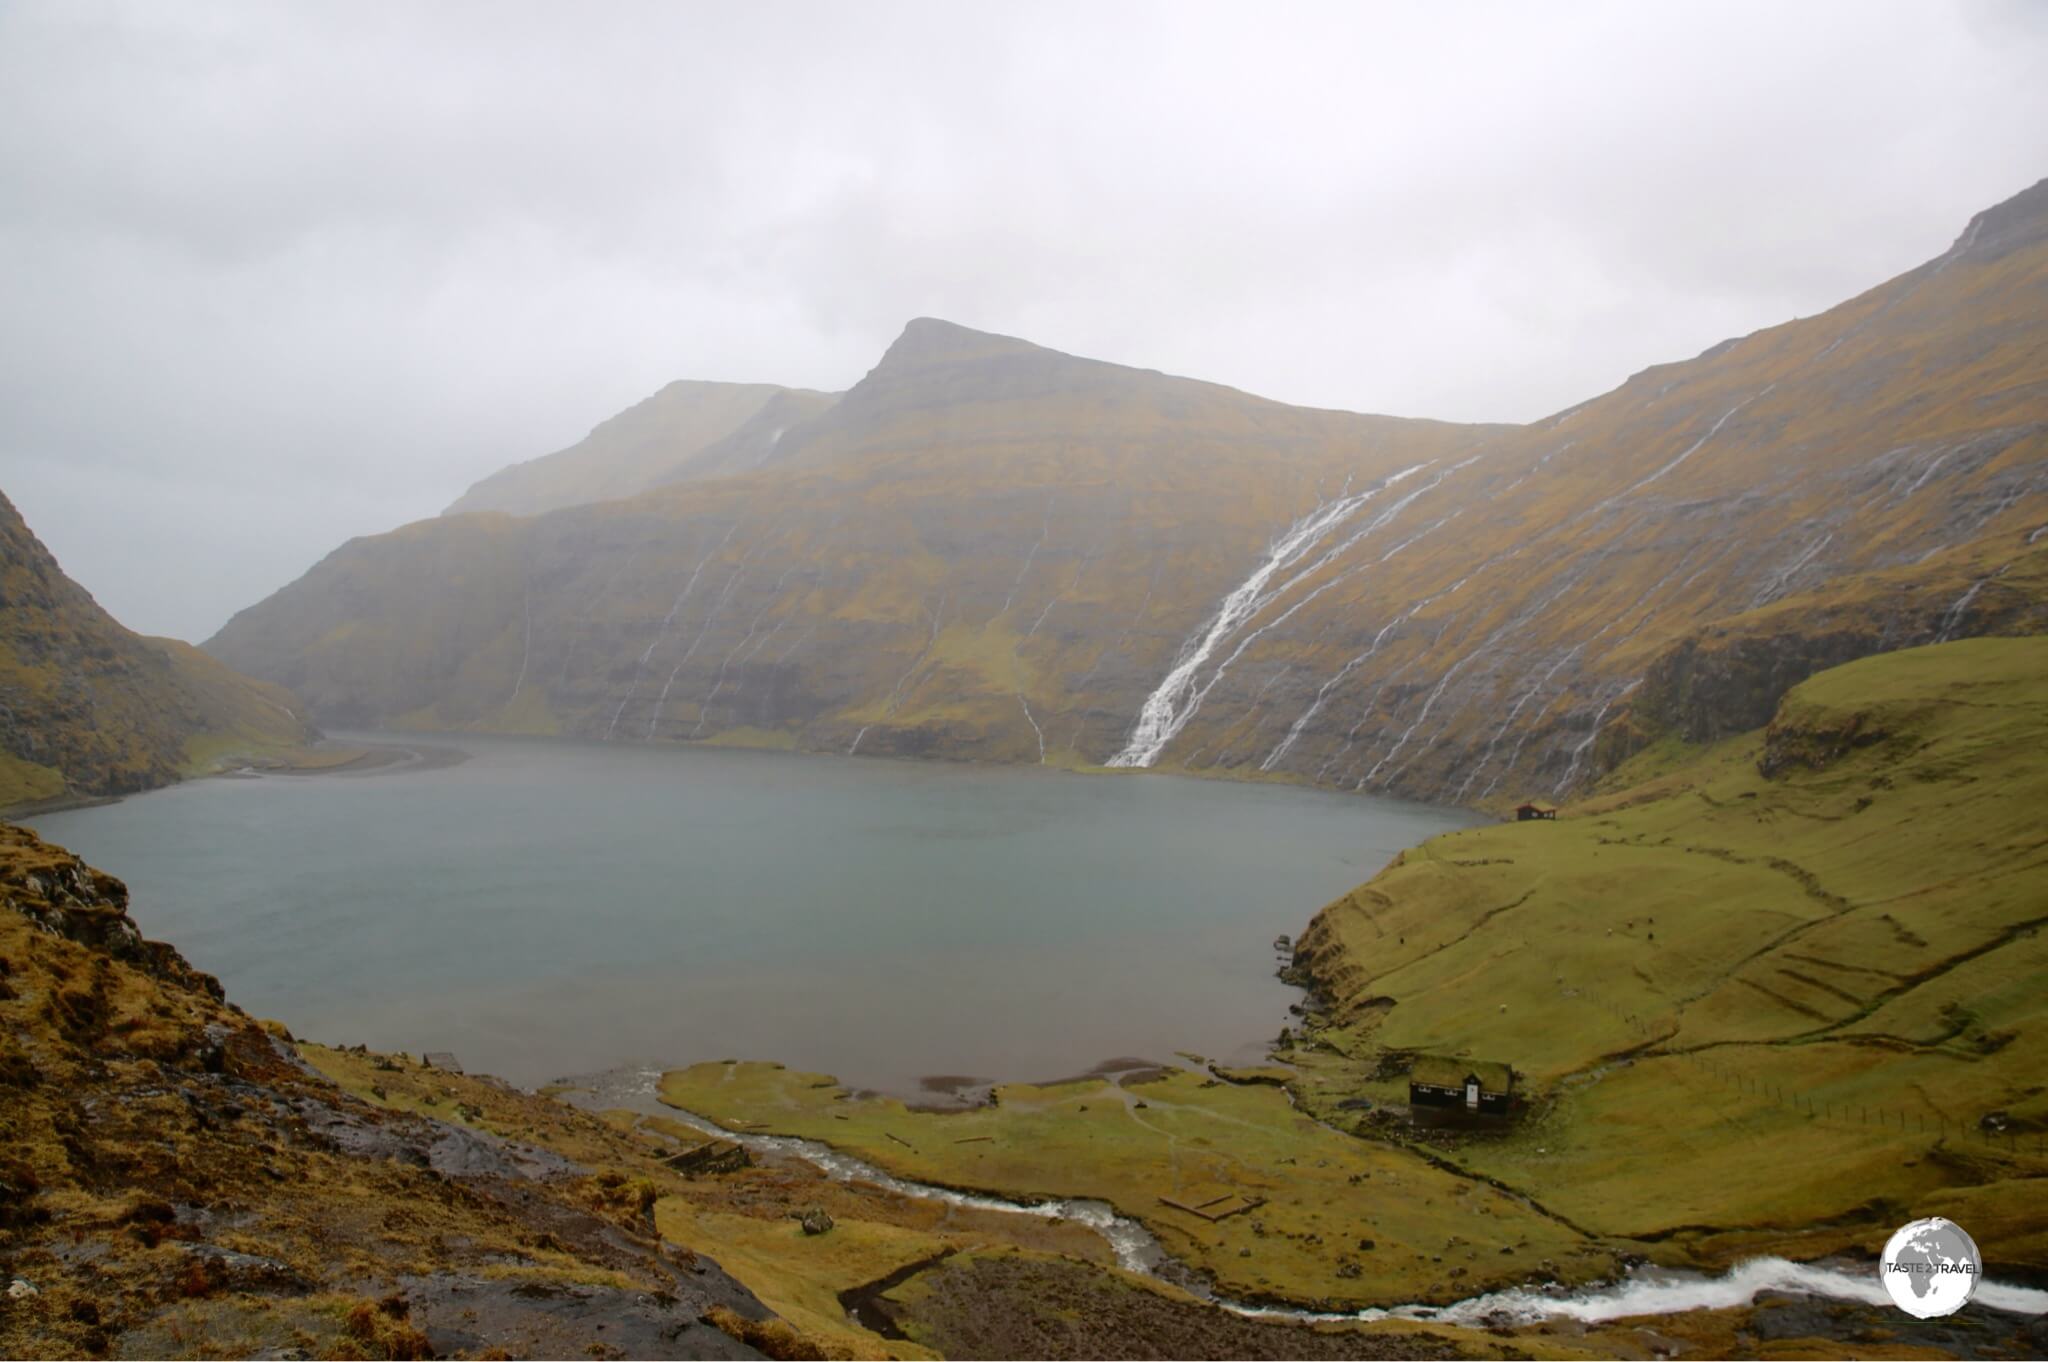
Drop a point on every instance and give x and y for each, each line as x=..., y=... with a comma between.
x=1783, y=992
x=1185, y=1138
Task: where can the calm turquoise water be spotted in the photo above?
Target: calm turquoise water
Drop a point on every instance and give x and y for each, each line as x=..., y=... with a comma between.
x=547, y=908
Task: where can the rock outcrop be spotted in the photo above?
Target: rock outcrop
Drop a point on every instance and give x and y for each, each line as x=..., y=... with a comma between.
x=175, y=1179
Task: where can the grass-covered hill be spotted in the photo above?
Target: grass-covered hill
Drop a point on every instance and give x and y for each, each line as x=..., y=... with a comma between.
x=986, y=549
x=1781, y=991
x=89, y=708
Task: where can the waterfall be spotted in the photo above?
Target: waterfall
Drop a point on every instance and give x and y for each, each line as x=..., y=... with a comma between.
x=1167, y=710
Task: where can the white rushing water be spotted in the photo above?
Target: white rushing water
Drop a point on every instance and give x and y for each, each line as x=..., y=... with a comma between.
x=1952, y=617
x=1644, y=1291
x=1167, y=710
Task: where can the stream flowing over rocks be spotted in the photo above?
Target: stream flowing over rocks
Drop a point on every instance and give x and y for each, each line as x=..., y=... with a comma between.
x=1646, y=1290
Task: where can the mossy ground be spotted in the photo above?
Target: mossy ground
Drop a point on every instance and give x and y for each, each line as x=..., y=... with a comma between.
x=1141, y=1143
x=1751, y=1011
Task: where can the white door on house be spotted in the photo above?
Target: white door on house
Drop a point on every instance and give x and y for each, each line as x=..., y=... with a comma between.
x=1472, y=1093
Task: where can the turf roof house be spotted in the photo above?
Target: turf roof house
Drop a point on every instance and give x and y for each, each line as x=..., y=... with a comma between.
x=1474, y=1084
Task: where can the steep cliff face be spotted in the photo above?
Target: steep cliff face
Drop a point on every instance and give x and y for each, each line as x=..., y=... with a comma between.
x=89, y=708
x=991, y=550
x=1729, y=677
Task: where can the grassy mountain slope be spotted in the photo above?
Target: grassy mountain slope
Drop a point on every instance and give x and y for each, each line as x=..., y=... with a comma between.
x=978, y=530
x=1536, y=587
x=653, y=442
x=991, y=550
x=1780, y=993
x=89, y=708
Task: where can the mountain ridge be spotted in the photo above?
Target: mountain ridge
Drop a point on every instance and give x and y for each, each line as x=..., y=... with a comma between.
x=651, y=442
x=994, y=551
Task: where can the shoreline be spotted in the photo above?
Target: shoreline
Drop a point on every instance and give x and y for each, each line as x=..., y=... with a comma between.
x=350, y=759
x=365, y=758
x=1642, y=1291
x=1476, y=814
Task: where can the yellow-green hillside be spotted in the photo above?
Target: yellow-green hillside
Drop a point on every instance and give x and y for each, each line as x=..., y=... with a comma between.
x=89, y=708
x=961, y=545
x=1229, y=1177
x=990, y=550
x=1782, y=990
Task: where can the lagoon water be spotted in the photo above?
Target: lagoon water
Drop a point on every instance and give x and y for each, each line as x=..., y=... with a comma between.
x=547, y=907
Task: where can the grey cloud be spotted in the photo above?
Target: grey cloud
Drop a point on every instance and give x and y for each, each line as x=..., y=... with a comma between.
x=275, y=275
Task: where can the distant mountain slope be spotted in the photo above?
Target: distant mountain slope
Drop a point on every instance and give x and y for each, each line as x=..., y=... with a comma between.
x=756, y=442
x=1535, y=585
x=966, y=535
x=987, y=549
x=89, y=708
x=648, y=444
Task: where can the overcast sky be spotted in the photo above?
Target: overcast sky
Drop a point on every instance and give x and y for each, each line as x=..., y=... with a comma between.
x=272, y=275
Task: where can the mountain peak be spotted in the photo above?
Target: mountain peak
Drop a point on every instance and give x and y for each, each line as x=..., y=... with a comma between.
x=930, y=340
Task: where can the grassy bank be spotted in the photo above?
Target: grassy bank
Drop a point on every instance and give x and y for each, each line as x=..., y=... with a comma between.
x=1781, y=992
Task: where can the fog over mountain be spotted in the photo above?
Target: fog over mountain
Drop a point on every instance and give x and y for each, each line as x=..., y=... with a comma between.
x=274, y=277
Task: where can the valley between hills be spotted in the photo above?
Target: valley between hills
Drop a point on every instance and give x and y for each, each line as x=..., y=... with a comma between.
x=1768, y=622
x=1768, y=997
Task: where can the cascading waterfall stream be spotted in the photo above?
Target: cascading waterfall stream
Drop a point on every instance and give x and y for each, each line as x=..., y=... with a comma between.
x=1036, y=730
x=1322, y=695
x=1952, y=618
x=753, y=627
x=896, y=692
x=1644, y=1291
x=1573, y=652
x=703, y=632
x=525, y=649
x=661, y=633
x=1167, y=710
x=1579, y=752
